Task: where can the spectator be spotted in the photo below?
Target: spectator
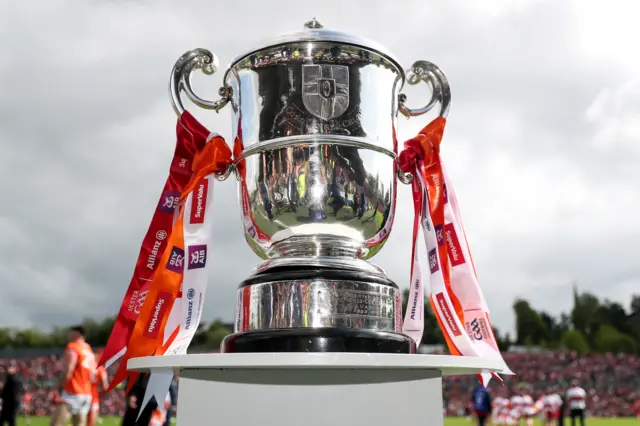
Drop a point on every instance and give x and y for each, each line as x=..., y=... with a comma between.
x=481, y=403
x=11, y=396
x=576, y=397
x=132, y=415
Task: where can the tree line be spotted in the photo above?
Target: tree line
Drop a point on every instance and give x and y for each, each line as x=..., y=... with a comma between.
x=592, y=325
x=208, y=335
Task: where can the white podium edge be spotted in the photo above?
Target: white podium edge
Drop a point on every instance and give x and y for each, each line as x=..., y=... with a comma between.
x=449, y=365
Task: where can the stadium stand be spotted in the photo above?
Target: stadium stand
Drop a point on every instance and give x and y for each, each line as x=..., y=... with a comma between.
x=612, y=381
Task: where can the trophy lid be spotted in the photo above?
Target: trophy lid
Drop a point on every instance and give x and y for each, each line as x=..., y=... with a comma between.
x=314, y=31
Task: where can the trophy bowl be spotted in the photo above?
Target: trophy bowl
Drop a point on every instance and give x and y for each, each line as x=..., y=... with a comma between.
x=316, y=115
x=314, y=128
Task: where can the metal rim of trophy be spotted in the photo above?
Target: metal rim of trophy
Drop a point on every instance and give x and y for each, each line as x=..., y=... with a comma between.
x=208, y=63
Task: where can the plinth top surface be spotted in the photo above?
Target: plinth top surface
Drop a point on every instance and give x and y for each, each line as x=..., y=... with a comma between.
x=449, y=365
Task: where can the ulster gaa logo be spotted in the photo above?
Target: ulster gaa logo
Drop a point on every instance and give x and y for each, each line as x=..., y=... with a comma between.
x=325, y=90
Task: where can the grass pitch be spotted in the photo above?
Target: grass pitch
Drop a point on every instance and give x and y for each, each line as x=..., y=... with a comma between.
x=449, y=421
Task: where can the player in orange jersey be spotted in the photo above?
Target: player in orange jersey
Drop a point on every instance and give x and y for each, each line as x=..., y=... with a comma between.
x=99, y=384
x=75, y=383
x=159, y=415
x=26, y=407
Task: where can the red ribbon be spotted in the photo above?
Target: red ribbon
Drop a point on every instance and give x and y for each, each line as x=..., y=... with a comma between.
x=191, y=138
x=410, y=156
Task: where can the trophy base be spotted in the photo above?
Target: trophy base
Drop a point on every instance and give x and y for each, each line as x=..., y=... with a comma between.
x=327, y=339
x=319, y=305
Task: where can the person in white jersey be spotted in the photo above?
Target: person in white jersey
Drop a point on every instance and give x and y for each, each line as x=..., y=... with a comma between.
x=538, y=405
x=576, y=399
x=498, y=416
x=506, y=412
x=551, y=403
x=517, y=404
x=528, y=409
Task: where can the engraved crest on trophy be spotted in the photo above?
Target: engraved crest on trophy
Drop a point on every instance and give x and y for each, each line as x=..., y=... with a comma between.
x=325, y=90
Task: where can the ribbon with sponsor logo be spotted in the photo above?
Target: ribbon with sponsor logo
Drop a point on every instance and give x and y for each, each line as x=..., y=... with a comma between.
x=186, y=313
x=455, y=295
x=183, y=265
x=184, y=318
x=191, y=137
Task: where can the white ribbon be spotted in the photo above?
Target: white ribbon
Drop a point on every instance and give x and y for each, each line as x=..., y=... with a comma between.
x=413, y=324
x=438, y=292
x=464, y=282
x=474, y=337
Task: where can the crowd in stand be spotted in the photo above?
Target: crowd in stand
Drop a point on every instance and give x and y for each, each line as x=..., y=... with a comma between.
x=40, y=378
x=611, y=381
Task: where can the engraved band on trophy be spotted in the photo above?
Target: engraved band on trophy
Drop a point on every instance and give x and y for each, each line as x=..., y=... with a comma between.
x=314, y=124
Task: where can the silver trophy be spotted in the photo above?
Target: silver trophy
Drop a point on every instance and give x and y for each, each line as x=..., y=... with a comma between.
x=314, y=127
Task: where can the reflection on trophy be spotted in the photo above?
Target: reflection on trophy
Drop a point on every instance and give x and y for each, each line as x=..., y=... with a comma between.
x=314, y=125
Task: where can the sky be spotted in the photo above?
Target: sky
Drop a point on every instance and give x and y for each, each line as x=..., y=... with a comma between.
x=542, y=143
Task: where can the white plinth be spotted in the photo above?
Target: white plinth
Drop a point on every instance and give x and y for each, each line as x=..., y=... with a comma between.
x=312, y=389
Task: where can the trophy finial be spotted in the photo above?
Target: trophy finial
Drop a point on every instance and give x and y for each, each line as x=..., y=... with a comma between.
x=314, y=23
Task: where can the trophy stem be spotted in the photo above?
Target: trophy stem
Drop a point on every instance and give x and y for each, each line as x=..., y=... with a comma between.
x=317, y=245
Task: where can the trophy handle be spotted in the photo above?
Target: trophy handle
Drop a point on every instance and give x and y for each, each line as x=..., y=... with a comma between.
x=195, y=59
x=431, y=74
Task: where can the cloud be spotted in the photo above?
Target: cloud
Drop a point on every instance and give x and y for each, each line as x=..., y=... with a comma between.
x=542, y=142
